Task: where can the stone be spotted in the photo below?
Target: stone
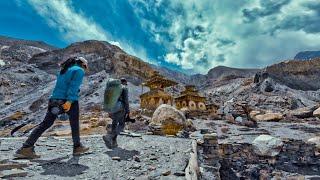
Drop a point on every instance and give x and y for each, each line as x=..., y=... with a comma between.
x=8, y=102
x=9, y=166
x=136, y=166
x=254, y=113
x=13, y=173
x=315, y=140
x=166, y=173
x=66, y=132
x=116, y=158
x=316, y=113
x=305, y=112
x=136, y=158
x=23, y=84
x=169, y=119
x=152, y=168
x=224, y=129
x=230, y=118
x=265, y=145
x=179, y=173
x=239, y=119
x=269, y=117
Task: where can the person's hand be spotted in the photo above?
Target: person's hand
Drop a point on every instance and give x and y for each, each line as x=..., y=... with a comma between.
x=66, y=106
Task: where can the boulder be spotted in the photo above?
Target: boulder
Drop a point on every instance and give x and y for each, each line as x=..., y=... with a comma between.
x=265, y=145
x=169, y=119
x=315, y=140
x=305, y=112
x=268, y=117
x=316, y=113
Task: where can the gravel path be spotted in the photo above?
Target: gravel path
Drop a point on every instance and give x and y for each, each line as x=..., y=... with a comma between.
x=146, y=157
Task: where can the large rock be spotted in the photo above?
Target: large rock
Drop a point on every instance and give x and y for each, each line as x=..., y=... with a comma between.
x=266, y=145
x=316, y=141
x=169, y=119
x=305, y=112
x=316, y=113
x=268, y=117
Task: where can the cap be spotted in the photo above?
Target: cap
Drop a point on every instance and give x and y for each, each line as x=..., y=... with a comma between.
x=83, y=60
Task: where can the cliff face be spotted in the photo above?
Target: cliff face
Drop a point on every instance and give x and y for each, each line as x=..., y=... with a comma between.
x=301, y=75
x=102, y=56
x=220, y=72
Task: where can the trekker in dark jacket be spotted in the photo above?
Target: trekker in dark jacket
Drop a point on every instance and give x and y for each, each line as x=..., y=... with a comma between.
x=118, y=118
x=64, y=97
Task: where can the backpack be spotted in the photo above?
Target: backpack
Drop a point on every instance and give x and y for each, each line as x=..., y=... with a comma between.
x=111, y=95
x=67, y=64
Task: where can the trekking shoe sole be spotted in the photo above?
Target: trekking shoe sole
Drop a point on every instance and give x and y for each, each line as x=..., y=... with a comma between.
x=21, y=156
x=81, y=152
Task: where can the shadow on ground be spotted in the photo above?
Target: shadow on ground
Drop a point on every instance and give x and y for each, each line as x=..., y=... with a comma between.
x=62, y=168
x=122, y=153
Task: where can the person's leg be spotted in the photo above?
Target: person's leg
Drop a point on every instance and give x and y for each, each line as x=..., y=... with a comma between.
x=74, y=123
x=121, y=122
x=38, y=131
x=78, y=148
x=27, y=150
x=114, y=126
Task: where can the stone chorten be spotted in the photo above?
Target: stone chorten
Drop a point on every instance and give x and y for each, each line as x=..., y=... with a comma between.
x=190, y=99
x=156, y=96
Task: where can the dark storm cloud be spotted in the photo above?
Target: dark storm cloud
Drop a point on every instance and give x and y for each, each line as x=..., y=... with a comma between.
x=268, y=7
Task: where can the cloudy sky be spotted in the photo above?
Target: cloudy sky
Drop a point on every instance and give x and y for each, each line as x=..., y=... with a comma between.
x=187, y=35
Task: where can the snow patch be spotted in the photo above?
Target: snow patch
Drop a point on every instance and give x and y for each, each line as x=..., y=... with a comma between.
x=37, y=48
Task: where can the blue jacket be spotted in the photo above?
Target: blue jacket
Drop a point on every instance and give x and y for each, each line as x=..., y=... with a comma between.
x=68, y=84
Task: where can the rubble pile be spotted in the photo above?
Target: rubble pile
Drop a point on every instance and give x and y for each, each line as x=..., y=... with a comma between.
x=242, y=161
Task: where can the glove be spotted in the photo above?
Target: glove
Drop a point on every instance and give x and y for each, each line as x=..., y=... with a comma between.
x=66, y=106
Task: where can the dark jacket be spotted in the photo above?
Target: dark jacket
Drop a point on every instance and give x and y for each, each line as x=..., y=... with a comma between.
x=124, y=98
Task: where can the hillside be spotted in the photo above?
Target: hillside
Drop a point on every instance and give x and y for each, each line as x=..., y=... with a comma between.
x=307, y=55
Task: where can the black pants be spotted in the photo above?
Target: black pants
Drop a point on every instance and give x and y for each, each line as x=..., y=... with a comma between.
x=48, y=122
x=118, y=123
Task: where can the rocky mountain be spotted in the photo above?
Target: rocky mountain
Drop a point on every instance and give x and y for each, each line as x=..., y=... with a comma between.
x=220, y=72
x=300, y=75
x=307, y=55
x=15, y=50
x=101, y=55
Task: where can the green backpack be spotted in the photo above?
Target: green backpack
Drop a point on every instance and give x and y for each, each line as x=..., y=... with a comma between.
x=111, y=95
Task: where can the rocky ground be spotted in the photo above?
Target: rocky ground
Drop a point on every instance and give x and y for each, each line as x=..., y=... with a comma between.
x=145, y=157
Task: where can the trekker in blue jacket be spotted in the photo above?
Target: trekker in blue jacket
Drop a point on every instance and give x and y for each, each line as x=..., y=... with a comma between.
x=64, y=99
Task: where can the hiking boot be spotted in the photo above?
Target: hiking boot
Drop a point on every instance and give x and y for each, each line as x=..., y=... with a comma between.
x=80, y=150
x=108, y=141
x=26, y=153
